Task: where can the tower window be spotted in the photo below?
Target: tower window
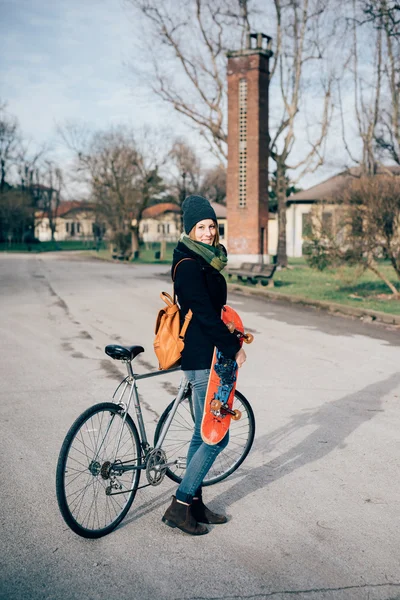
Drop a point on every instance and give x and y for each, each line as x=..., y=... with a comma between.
x=242, y=141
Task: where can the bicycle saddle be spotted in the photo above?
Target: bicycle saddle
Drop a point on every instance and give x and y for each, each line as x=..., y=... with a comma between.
x=123, y=352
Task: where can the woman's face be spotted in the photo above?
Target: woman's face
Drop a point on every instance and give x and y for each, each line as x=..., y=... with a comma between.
x=205, y=231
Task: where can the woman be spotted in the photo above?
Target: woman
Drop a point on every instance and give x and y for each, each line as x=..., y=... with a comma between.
x=200, y=287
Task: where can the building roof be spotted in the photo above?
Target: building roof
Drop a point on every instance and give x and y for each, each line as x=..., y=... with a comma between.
x=152, y=212
x=220, y=210
x=163, y=207
x=67, y=206
x=332, y=186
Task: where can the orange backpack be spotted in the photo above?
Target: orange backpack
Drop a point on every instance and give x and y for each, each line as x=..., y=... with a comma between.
x=170, y=337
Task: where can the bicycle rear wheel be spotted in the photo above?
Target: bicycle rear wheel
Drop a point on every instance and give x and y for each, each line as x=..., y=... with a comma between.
x=179, y=434
x=94, y=489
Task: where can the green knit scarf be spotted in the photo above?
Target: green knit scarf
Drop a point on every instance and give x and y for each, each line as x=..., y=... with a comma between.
x=213, y=255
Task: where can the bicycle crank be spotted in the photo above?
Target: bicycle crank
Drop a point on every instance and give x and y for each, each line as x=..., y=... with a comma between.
x=156, y=466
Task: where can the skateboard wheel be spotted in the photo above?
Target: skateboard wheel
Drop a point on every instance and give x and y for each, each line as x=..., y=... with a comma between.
x=237, y=415
x=215, y=404
x=248, y=338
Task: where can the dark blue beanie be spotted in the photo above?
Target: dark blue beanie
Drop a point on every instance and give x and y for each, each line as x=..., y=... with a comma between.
x=195, y=209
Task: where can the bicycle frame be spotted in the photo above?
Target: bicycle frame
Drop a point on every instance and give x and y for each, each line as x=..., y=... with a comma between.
x=130, y=380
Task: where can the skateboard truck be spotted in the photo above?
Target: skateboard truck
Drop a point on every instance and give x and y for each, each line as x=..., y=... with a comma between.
x=218, y=407
x=246, y=337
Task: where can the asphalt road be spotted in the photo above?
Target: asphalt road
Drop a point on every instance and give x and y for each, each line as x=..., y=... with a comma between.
x=314, y=510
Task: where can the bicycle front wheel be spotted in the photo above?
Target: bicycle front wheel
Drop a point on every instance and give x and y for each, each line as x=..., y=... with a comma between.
x=179, y=434
x=97, y=471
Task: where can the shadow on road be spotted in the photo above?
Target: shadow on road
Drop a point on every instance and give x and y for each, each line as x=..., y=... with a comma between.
x=333, y=422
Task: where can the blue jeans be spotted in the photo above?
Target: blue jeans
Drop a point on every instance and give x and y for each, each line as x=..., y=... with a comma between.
x=200, y=455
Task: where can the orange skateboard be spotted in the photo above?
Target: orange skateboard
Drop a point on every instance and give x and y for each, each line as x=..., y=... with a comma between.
x=222, y=384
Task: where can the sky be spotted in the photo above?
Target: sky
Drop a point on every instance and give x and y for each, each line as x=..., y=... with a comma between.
x=68, y=60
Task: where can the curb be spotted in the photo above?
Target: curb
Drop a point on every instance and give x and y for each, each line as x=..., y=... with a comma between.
x=332, y=307
x=364, y=314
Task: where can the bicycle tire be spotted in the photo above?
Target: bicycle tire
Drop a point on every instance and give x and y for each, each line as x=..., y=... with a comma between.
x=84, y=470
x=180, y=432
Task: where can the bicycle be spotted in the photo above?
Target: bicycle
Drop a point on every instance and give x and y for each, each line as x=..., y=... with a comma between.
x=103, y=453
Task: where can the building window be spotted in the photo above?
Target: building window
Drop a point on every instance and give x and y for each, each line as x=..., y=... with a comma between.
x=242, y=141
x=160, y=228
x=167, y=228
x=221, y=230
x=67, y=227
x=78, y=228
x=145, y=228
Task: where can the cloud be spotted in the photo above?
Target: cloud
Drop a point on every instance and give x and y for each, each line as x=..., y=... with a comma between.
x=64, y=60
x=67, y=60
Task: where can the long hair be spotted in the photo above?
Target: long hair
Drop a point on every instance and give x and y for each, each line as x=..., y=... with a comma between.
x=216, y=239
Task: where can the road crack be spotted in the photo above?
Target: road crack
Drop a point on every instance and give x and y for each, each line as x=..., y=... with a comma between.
x=261, y=596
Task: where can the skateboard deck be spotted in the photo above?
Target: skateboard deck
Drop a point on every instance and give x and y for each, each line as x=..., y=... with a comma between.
x=221, y=385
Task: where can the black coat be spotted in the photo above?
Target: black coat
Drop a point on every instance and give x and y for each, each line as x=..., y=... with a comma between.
x=202, y=289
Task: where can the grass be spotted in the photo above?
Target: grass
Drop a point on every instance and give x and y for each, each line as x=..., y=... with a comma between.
x=147, y=254
x=343, y=286
x=49, y=246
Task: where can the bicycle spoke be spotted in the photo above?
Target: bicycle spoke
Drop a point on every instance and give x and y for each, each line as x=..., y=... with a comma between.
x=85, y=472
x=179, y=434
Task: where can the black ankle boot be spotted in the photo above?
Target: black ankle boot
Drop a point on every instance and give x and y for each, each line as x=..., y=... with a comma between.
x=202, y=514
x=180, y=515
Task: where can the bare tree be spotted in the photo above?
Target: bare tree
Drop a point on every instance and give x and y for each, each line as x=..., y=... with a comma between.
x=189, y=176
x=384, y=15
x=186, y=170
x=189, y=41
x=213, y=184
x=196, y=35
x=10, y=140
x=48, y=192
x=367, y=228
x=122, y=179
x=299, y=43
x=367, y=89
x=20, y=191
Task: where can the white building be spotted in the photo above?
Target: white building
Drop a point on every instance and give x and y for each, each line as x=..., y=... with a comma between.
x=162, y=222
x=300, y=207
x=74, y=220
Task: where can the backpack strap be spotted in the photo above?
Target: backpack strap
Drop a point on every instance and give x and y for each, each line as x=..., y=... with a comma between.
x=174, y=273
x=185, y=324
x=178, y=263
x=189, y=312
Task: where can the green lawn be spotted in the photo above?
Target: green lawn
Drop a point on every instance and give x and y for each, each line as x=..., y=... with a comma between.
x=49, y=246
x=342, y=286
x=147, y=254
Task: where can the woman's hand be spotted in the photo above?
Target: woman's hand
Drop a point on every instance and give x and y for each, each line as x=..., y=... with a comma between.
x=240, y=357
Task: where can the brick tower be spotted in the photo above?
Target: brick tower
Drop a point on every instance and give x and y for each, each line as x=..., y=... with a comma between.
x=248, y=141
